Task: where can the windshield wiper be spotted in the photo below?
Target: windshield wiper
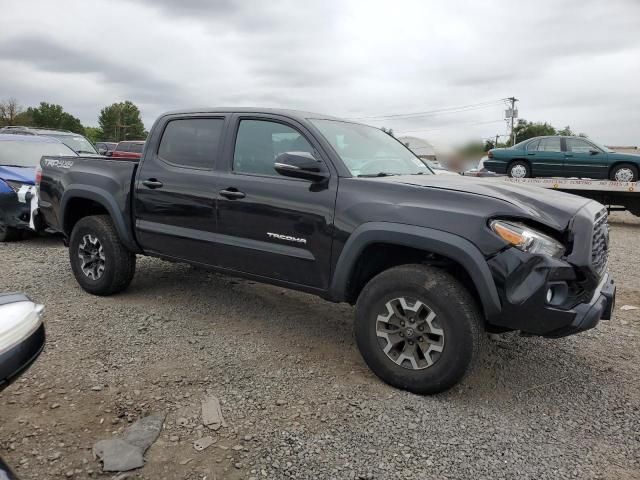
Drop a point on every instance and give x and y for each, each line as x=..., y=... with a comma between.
x=86, y=151
x=379, y=174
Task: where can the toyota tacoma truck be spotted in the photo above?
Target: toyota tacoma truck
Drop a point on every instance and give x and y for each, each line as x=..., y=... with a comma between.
x=344, y=211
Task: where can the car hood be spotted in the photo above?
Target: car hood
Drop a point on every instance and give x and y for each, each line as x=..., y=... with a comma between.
x=18, y=174
x=552, y=208
x=625, y=156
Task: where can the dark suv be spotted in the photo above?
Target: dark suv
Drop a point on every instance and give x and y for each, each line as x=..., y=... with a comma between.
x=74, y=141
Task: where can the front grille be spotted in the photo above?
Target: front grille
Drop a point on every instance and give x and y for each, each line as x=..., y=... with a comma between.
x=600, y=243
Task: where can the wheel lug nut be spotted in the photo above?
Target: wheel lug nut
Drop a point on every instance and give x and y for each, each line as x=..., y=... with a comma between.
x=410, y=343
x=420, y=328
x=401, y=334
x=402, y=323
x=421, y=339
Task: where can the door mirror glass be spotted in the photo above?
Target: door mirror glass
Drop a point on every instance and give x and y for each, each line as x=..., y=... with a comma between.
x=102, y=150
x=300, y=165
x=593, y=151
x=21, y=335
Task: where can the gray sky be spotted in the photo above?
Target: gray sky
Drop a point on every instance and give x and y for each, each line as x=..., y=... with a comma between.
x=569, y=62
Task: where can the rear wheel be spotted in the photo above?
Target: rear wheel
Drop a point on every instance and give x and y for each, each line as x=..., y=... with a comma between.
x=100, y=262
x=519, y=169
x=625, y=172
x=418, y=328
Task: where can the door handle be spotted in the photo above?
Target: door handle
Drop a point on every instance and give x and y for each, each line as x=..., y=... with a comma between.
x=152, y=183
x=531, y=153
x=567, y=155
x=232, y=194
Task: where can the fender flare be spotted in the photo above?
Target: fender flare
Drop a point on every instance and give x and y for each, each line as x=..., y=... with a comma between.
x=102, y=197
x=442, y=243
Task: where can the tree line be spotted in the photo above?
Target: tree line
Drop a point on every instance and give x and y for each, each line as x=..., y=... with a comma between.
x=116, y=122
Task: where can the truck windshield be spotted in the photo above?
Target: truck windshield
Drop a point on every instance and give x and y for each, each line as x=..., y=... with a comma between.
x=27, y=154
x=77, y=143
x=368, y=151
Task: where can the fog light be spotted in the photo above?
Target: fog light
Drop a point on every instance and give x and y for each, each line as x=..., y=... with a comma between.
x=549, y=295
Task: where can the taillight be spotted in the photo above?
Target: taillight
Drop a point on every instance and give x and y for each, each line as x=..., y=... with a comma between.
x=38, y=175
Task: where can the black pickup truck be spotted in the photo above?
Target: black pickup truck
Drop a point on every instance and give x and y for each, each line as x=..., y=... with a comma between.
x=346, y=212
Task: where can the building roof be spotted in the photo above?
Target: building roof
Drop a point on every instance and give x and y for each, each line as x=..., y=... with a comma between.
x=419, y=146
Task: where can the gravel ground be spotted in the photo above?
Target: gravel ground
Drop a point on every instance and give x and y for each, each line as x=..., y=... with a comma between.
x=297, y=397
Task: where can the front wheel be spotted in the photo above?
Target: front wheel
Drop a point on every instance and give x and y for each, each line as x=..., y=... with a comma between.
x=100, y=262
x=519, y=169
x=625, y=172
x=418, y=328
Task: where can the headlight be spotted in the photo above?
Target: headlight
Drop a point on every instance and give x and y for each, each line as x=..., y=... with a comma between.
x=527, y=239
x=15, y=186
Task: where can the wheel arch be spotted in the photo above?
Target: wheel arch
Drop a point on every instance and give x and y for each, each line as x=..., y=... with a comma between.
x=617, y=163
x=80, y=202
x=411, y=243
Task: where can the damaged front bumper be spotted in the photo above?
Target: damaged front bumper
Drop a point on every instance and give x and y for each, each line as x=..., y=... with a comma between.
x=14, y=213
x=546, y=296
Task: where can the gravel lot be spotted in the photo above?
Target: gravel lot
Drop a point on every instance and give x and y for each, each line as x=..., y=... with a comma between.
x=297, y=397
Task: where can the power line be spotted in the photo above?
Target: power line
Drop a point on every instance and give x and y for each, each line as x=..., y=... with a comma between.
x=456, y=109
x=450, y=126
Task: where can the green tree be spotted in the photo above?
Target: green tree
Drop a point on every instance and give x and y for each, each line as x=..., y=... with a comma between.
x=525, y=130
x=94, y=134
x=50, y=115
x=388, y=131
x=121, y=121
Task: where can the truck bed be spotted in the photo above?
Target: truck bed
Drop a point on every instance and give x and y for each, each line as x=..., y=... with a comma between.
x=95, y=179
x=616, y=195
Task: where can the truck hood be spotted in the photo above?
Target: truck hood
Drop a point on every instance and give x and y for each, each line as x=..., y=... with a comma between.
x=552, y=208
x=25, y=175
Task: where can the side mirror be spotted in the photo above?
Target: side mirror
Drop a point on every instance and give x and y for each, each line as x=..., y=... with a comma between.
x=102, y=151
x=21, y=335
x=301, y=165
x=593, y=151
x=108, y=153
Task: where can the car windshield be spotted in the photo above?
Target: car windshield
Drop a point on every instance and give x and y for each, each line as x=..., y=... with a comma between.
x=77, y=143
x=28, y=154
x=368, y=151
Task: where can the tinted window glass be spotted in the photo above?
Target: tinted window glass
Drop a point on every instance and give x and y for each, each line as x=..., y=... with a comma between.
x=576, y=145
x=123, y=147
x=259, y=142
x=551, y=144
x=191, y=142
x=533, y=146
x=136, y=147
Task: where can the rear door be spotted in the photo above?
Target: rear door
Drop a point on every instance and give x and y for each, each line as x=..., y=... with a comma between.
x=175, y=201
x=547, y=158
x=583, y=159
x=273, y=226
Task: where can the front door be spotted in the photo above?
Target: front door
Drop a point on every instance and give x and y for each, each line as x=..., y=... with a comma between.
x=175, y=207
x=547, y=159
x=274, y=226
x=585, y=160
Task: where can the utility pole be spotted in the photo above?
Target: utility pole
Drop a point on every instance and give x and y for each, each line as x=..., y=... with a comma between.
x=497, y=137
x=513, y=116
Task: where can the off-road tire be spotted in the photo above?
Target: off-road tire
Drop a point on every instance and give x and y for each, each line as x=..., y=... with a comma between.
x=633, y=168
x=457, y=313
x=518, y=163
x=119, y=263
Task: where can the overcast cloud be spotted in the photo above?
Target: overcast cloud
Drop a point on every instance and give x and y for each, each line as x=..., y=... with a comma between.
x=569, y=62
